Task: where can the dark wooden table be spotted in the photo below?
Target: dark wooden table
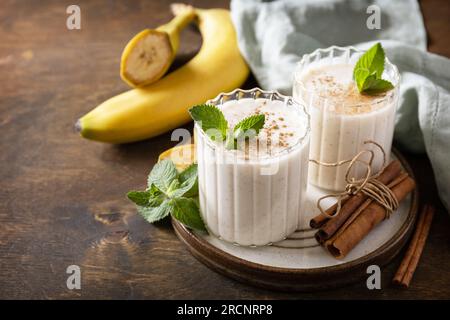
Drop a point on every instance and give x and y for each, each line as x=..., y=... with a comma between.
x=62, y=198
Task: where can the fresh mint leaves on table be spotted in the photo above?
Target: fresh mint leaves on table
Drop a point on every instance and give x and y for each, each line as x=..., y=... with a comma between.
x=214, y=124
x=368, y=70
x=170, y=192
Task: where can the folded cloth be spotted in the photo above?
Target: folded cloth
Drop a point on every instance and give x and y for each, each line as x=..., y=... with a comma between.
x=273, y=36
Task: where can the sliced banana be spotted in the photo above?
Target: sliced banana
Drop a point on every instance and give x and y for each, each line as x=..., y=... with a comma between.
x=146, y=58
x=149, y=54
x=182, y=156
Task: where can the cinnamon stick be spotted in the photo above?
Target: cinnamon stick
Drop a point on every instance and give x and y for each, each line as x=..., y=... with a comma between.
x=366, y=221
x=412, y=247
x=331, y=225
x=409, y=263
x=365, y=204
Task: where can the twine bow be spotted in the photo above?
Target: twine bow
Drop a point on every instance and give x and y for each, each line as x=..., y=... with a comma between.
x=369, y=185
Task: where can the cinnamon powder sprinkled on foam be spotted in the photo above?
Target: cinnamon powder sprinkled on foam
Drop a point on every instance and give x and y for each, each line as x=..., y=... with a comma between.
x=280, y=131
x=339, y=95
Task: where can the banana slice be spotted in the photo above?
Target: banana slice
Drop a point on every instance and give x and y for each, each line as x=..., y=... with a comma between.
x=146, y=57
x=182, y=156
x=149, y=54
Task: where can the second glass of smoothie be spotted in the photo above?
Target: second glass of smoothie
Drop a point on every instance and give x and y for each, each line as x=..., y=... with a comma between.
x=253, y=196
x=341, y=117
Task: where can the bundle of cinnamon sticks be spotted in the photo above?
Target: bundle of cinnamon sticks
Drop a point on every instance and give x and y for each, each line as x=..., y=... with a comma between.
x=359, y=213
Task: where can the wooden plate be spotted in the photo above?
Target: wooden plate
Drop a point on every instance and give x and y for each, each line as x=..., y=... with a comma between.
x=298, y=263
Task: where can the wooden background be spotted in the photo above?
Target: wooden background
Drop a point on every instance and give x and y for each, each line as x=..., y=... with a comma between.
x=62, y=198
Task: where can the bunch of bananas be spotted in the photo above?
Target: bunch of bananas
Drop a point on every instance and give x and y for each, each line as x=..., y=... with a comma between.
x=158, y=104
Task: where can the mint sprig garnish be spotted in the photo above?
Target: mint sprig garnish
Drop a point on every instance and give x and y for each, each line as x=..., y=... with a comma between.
x=162, y=175
x=368, y=71
x=153, y=214
x=185, y=210
x=249, y=126
x=213, y=123
x=188, y=186
x=170, y=192
x=211, y=120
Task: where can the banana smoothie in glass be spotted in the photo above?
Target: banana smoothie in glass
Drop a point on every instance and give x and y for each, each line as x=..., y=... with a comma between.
x=342, y=118
x=252, y=195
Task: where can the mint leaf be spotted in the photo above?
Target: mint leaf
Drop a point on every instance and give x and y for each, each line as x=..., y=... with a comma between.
x=162, y=175
x=251, y=124
x=188, y=173
x=141, y=198
x=170, y=192
x=211, y=120
x=149, y=198
x=156, y=201
x=368, y=82
x=379, y=86
x=360, y=76
x=152, y=214
x=189, y=182
x=246, y=128
x=214, y=124
x=189, y=188
x=174, y=185
x=372, y=60
x=368, y=71
x=187, y=212
x=156, y=196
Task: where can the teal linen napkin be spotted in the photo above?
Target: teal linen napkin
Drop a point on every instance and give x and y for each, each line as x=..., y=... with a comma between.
x=273, y=36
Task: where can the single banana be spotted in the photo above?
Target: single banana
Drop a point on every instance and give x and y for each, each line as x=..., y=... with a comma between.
x=146, y=112
x=148, y=56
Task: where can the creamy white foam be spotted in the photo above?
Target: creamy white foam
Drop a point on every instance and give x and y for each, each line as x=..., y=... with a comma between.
x=284, y=126
x=335, y=84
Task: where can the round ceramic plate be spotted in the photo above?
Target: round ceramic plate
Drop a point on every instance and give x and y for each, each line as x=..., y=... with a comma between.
x=299, y=263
